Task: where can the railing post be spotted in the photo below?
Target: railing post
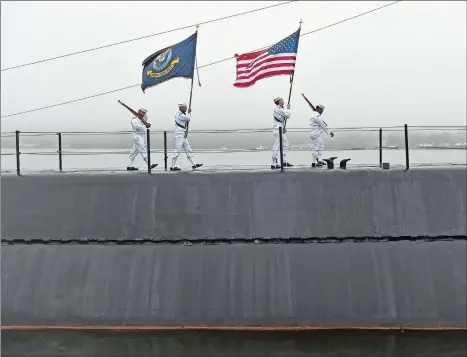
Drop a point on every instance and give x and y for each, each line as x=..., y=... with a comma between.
x=406, y=133
x=18, y=168
x=281, y=149
x=148, y=139
x=60, y=151
x=380, y=147
x=165, y=150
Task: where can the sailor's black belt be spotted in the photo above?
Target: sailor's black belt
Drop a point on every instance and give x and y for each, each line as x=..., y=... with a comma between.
x=180, y=125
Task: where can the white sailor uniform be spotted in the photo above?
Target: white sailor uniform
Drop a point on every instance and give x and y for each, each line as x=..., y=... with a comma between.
x=280, y=117
x=318, y=128
x=139, y=145
x=181, y=143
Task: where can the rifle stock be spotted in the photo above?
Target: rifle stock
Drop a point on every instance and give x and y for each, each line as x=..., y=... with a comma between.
x=309, y=103
x=131, y=110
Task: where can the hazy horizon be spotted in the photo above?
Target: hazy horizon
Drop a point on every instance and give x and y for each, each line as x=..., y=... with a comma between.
x=343, y=140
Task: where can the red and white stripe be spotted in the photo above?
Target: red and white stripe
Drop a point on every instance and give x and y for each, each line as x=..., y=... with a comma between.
x=252, y=67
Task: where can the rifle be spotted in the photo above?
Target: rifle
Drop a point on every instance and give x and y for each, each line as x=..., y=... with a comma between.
x=136, y=114
x=309, y=103
x=314, y=109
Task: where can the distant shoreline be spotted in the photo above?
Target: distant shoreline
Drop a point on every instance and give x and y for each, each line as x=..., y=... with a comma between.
x=304, y=148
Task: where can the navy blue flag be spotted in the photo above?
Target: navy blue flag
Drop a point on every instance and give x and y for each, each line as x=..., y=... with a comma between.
x=171, y=62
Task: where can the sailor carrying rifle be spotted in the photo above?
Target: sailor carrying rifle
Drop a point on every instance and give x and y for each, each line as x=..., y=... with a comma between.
x=318, y=128
x=181, y=142
x=280, y=119
x=139, y=124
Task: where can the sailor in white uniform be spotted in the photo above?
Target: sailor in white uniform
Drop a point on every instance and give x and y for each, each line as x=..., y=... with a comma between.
x=318, y=128
x=280, y=119
x=181, y=142
x=139, y=145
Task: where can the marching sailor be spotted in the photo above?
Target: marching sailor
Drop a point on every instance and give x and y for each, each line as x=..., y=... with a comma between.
x=181, y=142
x=139, y=125
x=317, y=128
x=280, y=119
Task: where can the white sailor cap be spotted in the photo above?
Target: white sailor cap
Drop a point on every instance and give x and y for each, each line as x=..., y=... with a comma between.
x=320, y=106
x=277, y=99
x=182, y=105
x=143, y=110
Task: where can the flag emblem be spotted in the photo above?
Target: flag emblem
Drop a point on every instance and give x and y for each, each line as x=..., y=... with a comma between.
x=170, y=62
x=162, y=60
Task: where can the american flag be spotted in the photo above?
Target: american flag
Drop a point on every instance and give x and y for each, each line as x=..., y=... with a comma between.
x=273, y=61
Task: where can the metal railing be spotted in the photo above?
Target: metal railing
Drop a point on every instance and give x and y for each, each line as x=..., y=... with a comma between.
x=150, y=134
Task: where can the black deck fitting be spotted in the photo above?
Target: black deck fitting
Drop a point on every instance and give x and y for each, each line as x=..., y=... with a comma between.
x=330, y=163
x=343, y=163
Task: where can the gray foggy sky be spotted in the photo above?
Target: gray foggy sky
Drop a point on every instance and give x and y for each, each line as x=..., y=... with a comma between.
x=402, y=64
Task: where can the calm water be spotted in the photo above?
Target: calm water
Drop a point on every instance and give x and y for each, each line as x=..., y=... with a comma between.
x=117, y=159
x=238, y=344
